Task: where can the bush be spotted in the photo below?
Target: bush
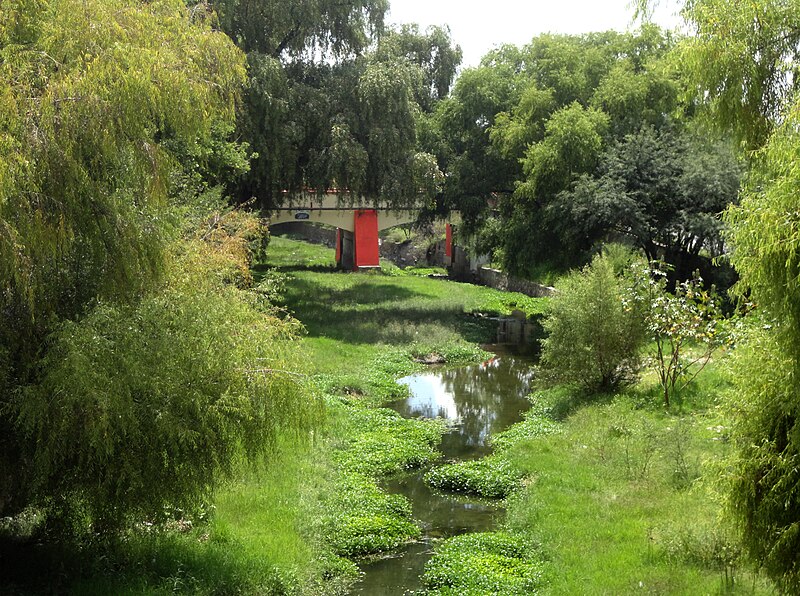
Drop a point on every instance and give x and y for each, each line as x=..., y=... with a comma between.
x=150, y=405
x=686, y=328
x=594, y=330
x=764, y=495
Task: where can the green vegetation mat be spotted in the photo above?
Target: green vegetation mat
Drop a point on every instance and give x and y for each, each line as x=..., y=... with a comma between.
x=485, y=563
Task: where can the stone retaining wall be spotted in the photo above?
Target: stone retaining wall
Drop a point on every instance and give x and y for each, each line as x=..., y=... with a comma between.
x=495, y=278
x=315, y=234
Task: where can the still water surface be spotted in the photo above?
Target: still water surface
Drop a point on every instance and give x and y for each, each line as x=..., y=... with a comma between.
x=479, y=400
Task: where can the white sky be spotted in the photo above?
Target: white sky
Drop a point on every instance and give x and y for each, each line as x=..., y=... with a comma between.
x=479, y=25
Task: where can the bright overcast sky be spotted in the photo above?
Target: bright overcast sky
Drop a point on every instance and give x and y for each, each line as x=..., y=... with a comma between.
x=479, y=25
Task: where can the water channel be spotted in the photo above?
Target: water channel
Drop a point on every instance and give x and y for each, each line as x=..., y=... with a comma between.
x=479, y=400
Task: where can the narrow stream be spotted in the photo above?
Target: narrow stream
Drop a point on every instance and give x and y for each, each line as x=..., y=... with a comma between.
x=480, y=400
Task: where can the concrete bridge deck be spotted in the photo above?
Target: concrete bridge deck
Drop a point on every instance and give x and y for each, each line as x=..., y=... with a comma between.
x=357, y=225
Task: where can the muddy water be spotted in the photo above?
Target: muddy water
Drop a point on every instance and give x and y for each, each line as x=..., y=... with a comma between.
x=479, y=400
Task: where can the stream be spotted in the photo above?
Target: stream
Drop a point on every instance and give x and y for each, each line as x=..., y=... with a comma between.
x=479, y=400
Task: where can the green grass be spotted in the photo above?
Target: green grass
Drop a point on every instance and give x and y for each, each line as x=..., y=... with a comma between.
x=268, y=515
x=370, y=308
x=364, y=331
x=618, y=494
x=257, y=542
x=352, y=317
x=625, y=497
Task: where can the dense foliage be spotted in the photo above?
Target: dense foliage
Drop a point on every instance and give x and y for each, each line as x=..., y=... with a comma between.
x=136, y=365
x=139, y=364
x=490, y=477
x=571, y=141
x=741, y=64
x=765, y=240
x=595, y=329
x=333, y=99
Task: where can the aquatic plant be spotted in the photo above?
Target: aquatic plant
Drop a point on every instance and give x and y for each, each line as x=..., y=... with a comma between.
x=380, y=441
x=363, y=519
x=484, y=563
x=493, y=477
x=533, y=425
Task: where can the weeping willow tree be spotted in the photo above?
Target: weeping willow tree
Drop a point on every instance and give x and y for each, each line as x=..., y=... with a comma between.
x=765, y=231
x=133, y=374
x=742, y=62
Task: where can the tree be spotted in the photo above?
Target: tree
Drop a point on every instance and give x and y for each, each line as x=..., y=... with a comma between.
x=88, y=105
x=685, y=328
x=663, y=190
x=763, y=232
x=333, y=99
x=300, y=65
x=622, y=160
x=458, y=133
x=742, y=62
x=567, y=99
x=128, y=373
x=291, y=30
x=753, y=47
x=433, y=52
x=574, y=137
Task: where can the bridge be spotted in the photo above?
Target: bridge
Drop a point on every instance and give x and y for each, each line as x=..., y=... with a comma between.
x=357, y=226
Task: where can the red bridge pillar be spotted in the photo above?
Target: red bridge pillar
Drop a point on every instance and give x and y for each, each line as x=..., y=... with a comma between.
x=365, y=238
x=448, y=243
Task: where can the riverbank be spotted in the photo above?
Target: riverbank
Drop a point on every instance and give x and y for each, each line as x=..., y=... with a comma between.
x=363, y=332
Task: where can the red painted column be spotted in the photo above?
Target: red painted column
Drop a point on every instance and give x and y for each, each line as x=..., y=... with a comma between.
x=365, y=238
x=338, y=246
x=448, y=243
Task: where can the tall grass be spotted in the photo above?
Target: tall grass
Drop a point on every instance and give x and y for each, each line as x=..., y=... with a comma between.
x=626, y=497
x=257, y=540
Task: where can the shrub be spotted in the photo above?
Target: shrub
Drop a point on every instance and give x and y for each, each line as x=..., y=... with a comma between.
x=594, y=331
x=151, y=404
x=686, y=328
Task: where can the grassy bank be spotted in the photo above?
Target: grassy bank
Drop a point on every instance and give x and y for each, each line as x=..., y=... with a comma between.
x=351, y=318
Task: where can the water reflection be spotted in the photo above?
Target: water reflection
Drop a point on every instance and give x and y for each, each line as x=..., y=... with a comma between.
x=480, y=400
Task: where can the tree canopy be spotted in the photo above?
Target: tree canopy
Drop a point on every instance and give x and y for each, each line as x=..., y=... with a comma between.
x=334, y=100
x=541, y=149
x=126, y=337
